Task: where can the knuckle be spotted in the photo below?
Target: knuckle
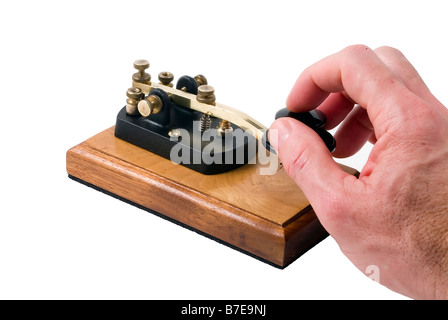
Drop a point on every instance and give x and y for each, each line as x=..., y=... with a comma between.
x=357, y=49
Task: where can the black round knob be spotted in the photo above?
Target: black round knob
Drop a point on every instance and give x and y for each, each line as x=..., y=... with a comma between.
x=314, y=119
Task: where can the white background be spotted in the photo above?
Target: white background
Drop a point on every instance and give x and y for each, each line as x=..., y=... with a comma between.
x=64, y=70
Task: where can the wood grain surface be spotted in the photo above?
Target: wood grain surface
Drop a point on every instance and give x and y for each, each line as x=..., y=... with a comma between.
x=266, y=216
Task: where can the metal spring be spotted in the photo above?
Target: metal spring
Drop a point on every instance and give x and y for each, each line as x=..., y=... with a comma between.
x=205, y=122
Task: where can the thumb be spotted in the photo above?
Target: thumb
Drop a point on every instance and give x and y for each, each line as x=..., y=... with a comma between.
x=308, y=162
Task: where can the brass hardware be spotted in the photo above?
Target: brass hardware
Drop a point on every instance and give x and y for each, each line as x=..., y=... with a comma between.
x=166, y=78
x=151, y=105
x=206, y=94
x=174, y=133
x=205, y=122
x=200, y=79
x=134, y=96
x=141, y=76
x=219, y=110
x=224, y=128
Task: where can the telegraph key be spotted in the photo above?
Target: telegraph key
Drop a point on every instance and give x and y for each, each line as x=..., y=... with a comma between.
x=178, y=153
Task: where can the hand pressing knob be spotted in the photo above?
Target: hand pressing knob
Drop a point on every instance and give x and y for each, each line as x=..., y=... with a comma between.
x=314, y=119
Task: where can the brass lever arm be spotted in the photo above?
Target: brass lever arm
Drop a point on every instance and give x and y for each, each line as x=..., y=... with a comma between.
x=219, y=110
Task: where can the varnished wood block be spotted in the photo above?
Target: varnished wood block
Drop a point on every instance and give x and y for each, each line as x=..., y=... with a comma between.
x=266, y=216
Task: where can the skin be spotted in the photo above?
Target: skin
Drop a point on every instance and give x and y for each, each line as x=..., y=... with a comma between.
x=395, y=215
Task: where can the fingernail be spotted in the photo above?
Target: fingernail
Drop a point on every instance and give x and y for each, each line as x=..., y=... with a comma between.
x=279, y=132
x=288, y=101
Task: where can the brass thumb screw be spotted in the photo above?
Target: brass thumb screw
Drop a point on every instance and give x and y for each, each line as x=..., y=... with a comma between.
x=151, y=105
x=206, y=94
x=141, y=76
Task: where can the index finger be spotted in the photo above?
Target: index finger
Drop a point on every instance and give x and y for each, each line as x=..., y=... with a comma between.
x=359, y=72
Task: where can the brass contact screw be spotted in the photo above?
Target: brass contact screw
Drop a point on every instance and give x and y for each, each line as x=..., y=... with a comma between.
x=134, y=96
x=206, y=94
x=141, y=76
x=166, y=78
x=224, y=128
x=151, y=105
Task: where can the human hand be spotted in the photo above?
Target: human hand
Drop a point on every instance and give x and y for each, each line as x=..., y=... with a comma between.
x=395, y=215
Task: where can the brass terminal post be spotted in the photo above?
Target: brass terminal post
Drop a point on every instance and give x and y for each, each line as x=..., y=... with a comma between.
x=134, y=96
x=141, y=76
x=166, y=78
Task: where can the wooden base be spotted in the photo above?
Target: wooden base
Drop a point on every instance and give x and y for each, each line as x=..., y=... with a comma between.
x=265, y=216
